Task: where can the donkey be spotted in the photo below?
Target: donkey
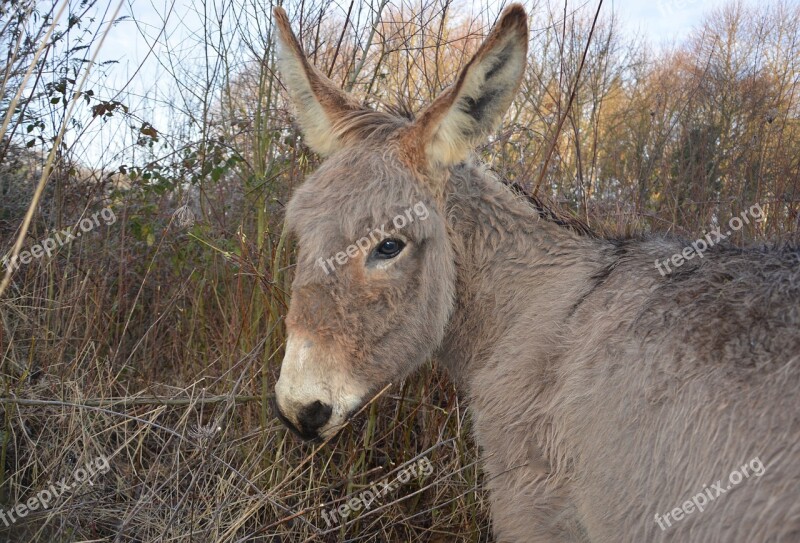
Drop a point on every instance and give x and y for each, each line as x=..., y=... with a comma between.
x=611, y=403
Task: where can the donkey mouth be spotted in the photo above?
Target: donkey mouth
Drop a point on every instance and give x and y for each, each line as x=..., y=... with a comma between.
x=301, y=432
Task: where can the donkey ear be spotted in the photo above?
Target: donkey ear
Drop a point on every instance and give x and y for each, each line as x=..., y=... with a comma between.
x=466, y=113
x=319, y=104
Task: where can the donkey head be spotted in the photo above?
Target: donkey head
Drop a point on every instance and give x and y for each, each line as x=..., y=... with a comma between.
x=375, y=277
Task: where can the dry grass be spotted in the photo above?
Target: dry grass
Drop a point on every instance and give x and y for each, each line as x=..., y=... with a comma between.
x=157, y=344
x=185, y=466
x=195, y=451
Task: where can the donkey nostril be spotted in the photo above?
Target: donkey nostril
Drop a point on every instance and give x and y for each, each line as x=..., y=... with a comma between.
x=314, y=416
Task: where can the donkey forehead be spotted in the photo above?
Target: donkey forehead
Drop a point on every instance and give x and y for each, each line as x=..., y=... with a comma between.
x=354, y=192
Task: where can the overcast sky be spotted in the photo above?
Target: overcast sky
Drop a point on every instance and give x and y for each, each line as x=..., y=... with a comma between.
x=661, y=22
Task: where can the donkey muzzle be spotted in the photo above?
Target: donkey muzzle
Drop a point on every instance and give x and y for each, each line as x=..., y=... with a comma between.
x=310, y=419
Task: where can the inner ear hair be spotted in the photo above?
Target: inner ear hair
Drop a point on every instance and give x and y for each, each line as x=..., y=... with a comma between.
x=320, y=105
x=466, y=113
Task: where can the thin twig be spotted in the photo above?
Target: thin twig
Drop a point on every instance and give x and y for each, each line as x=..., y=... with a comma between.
x=143, y=400
x=572, y=94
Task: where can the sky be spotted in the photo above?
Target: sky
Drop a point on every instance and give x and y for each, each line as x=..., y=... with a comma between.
x=661, y=22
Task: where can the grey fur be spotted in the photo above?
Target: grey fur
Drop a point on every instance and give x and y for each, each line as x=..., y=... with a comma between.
x=604, y=393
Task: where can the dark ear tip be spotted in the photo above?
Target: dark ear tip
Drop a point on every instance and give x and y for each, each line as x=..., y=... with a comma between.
x=285, y=28
x=281, y=17
x=514, y=16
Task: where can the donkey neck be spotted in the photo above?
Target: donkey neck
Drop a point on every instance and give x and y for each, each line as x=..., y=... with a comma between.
x=519, y=276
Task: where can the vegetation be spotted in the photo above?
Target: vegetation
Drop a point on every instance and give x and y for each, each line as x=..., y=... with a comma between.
x=155, y=340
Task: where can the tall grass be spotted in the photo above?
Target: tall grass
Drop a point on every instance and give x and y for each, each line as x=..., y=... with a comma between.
x=156, y=340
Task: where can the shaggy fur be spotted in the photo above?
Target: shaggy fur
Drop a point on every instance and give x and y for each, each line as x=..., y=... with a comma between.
x=602, y=393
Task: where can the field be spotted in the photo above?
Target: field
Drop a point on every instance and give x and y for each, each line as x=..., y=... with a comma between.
x=145, y=271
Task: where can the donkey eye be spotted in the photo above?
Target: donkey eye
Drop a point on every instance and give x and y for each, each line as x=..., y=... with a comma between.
x=389, y=248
